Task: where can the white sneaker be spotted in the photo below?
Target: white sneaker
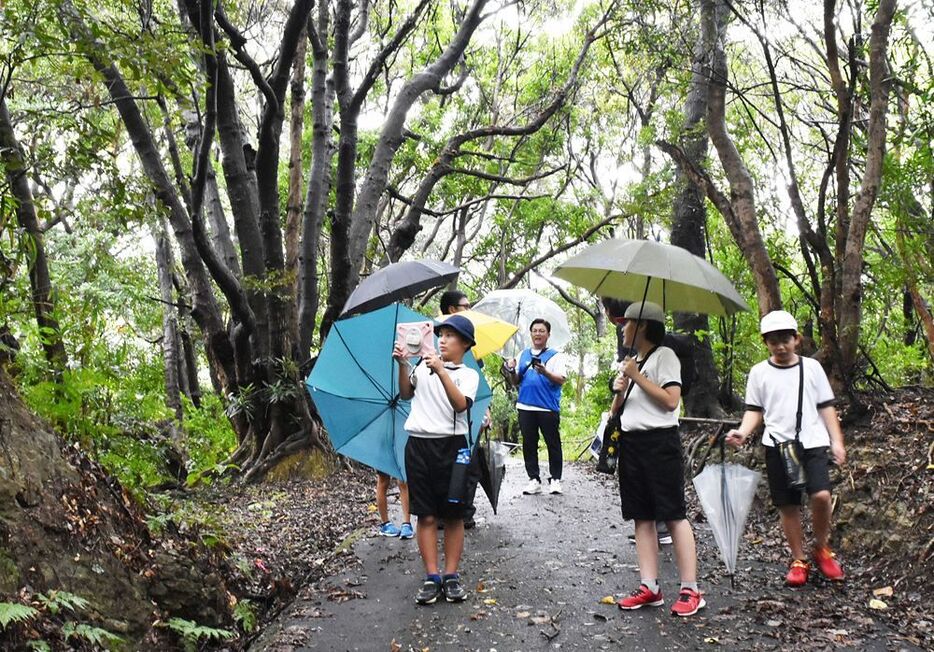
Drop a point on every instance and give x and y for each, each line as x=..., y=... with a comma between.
x=534, y=487
x=554, y=486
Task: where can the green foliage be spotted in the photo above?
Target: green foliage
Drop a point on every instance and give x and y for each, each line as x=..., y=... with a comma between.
x=12, y=612
x=58, y=600
x=93, y=635
x=192, y=633
x=210, y=436
x=244, y=614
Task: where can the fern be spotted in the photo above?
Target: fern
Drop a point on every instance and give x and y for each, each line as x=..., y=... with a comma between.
x=58, y=600
x=13, y=612
x=94, y=635
x=245, y=614
x=193, y=632
x=39, y=646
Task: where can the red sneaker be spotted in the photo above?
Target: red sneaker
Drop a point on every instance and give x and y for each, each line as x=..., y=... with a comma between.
x=689, y=603
x=828, y=565
x=641, y=597
x=798, y=573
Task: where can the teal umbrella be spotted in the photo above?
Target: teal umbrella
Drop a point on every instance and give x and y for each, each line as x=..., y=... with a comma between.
x=355, y=386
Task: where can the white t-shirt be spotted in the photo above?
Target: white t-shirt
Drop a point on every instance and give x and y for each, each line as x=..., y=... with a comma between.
x=641, y=411
x=557, y=364
x=773, y=390
x=432, y=415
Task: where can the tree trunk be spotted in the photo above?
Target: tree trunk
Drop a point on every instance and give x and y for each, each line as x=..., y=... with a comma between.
x=293, y=209
x=15, y=169
x=851, y=281
x=688, y=230
x=391, y=135
x=172, y=361
x=354, y=219
x=744, y=224
x=319, y=183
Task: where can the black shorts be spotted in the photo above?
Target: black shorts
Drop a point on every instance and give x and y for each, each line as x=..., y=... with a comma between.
x=428, y=465
x=816, y=465
x=651, y=475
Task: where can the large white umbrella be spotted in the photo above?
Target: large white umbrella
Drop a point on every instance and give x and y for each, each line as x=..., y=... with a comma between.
x=520, y=307
x=638, y=270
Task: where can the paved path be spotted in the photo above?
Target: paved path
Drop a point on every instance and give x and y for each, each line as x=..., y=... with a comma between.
x=536, y=573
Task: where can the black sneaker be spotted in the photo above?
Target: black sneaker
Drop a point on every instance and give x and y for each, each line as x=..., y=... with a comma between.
x=453, y=591
x=429, y=593
x=470, y=524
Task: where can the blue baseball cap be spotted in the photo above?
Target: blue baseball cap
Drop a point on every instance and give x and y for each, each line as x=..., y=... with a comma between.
x=461, y=325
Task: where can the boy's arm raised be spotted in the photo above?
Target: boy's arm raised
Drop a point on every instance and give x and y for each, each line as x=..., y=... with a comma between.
x=829, y=415
x=406, y=391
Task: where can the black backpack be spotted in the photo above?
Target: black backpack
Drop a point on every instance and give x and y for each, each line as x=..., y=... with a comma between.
x=682, y=345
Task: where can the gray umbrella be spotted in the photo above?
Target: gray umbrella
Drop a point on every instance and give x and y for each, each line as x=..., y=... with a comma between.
x=644, y=270
x=398, y=281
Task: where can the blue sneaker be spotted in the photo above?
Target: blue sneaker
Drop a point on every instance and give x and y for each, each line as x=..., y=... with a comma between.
x=389, y=529
x=406, y=532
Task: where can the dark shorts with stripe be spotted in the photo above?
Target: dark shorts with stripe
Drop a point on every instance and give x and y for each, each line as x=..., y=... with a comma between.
x=651, y=475
x=816, y=464
x=428, y=465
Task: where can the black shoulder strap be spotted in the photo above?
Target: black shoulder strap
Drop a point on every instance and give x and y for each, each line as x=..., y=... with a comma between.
x=800, y=398
x=632, y=383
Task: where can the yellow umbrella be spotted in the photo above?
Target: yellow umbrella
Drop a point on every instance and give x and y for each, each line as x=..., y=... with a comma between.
x=491, y=333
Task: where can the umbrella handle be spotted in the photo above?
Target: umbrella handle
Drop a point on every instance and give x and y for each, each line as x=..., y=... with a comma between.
x=719, y=437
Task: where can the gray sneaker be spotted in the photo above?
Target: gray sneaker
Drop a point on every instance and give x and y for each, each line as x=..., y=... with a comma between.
x=429, y=593
x=453, y=590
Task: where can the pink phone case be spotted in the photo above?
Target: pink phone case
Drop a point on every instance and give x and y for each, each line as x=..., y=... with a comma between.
x=415, y=338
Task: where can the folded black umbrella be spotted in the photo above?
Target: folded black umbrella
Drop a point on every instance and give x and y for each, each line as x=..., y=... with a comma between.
x=492, y=467
x=396, y=282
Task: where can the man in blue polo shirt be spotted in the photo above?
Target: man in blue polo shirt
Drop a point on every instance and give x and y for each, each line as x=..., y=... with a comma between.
x=539, y=374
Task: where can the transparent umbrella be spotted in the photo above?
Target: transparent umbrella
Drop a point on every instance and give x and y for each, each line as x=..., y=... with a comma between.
x=520, y=307
x=726, y=492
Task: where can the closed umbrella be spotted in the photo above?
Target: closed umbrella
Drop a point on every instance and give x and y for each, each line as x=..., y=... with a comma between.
x=355, y=386
x=491, y=333
x=398, y=281
x=726, y=492
x=493, y=454
x=520, y=307
x=644, y=270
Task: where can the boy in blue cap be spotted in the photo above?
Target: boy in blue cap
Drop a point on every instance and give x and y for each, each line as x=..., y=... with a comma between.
x=442, y=389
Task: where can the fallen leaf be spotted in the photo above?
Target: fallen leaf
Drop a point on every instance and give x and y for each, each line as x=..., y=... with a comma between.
x=607, y=600
x=773, y=623
x=540, y=619
x=886, y=591
x=875, y=603
x=523, y=614
x=478, y=616
x=371, y=508
x=394, y=646
x=481, y=587
x=490, y=601
x=713, y=640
